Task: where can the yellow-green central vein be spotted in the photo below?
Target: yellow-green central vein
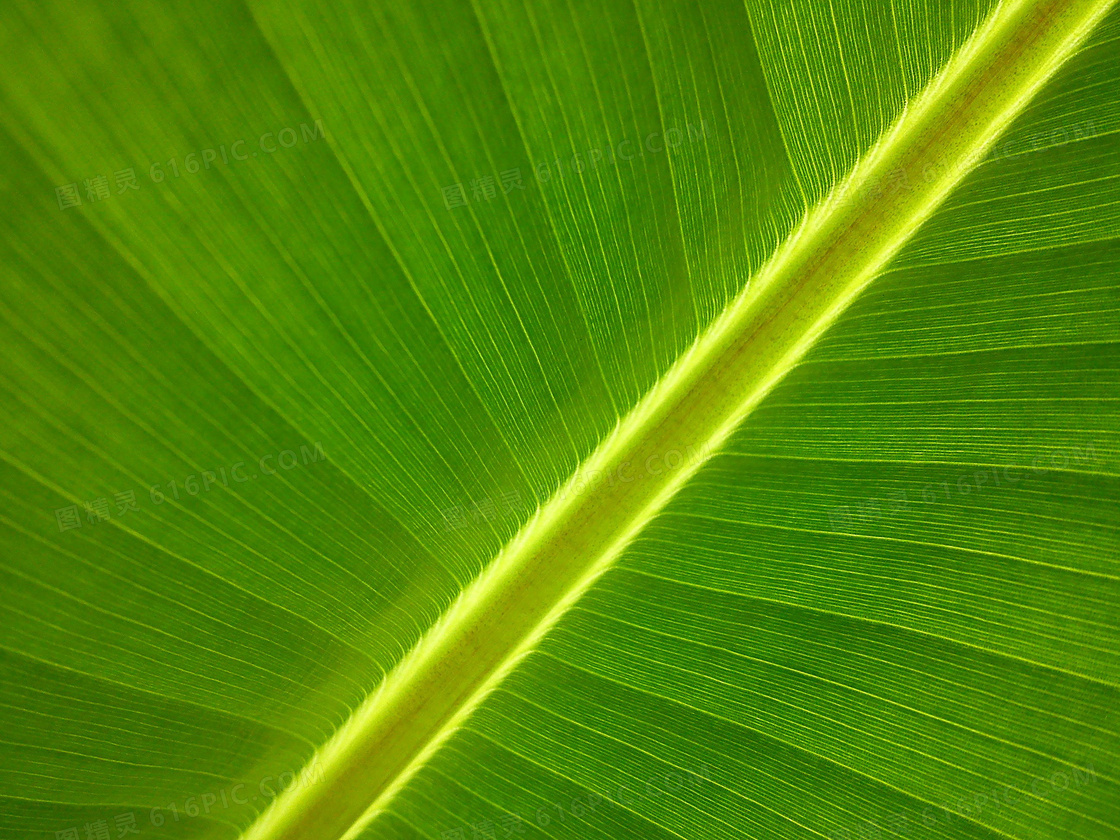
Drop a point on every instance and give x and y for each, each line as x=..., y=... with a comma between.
x=838, y=248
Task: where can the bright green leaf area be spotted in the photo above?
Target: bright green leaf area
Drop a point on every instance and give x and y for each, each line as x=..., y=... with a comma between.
x=479, y=419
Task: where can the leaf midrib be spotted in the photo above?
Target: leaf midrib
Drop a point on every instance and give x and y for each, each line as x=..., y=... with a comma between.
x=836, y=251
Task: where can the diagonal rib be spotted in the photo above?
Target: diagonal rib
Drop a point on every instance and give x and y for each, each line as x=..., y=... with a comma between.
x=836, y=251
